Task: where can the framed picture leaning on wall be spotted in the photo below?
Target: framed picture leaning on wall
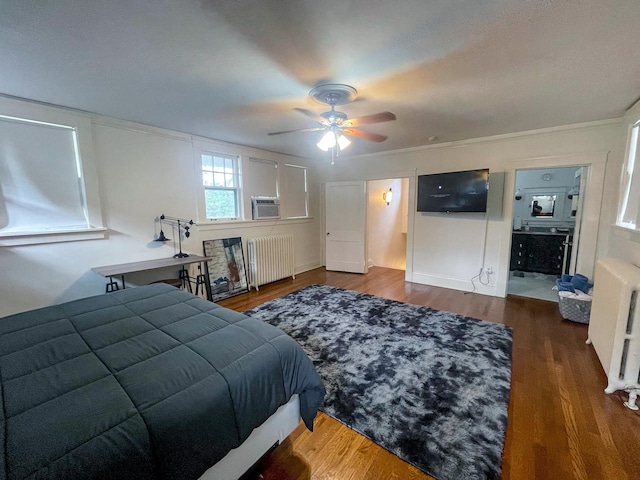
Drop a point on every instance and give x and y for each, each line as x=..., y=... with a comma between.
x=225, y=273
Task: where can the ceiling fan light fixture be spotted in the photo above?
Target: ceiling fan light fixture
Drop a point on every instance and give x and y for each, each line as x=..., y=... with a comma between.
x=343, y=142
x=337, y=124
x=327, y=141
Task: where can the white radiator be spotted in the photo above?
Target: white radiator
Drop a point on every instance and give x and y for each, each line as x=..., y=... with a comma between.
x=614, y=326
x=270, y=259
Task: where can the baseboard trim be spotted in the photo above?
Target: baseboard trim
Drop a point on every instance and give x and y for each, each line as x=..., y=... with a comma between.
x=305, y=267
x=454, y=283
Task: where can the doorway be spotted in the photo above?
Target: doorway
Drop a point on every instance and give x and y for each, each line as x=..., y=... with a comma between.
x=361, y=230
x=387, y=220
x=547, y=209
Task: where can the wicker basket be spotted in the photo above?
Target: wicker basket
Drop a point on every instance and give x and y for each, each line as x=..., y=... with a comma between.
x=574, y=309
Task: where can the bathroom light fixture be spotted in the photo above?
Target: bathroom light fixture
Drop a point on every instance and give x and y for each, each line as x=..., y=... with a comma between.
x=387, y=196
x=572, y=192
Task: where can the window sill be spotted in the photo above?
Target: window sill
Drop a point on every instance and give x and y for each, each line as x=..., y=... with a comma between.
x=224, y=224
x=626, y=232
x=14, y=239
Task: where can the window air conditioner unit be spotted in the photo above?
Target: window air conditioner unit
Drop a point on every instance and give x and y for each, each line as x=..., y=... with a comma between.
x=265, y=208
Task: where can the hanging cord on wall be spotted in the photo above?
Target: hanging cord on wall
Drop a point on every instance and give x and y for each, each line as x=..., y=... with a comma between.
x=482, y=272
x=480, y=276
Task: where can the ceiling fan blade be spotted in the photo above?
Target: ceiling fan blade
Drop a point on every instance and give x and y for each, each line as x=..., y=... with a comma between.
x=298, y=130
x=354, y=132
x=368, y=119
x=310, y=114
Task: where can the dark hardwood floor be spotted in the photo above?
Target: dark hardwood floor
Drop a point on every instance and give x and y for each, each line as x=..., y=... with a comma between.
x=561, y=424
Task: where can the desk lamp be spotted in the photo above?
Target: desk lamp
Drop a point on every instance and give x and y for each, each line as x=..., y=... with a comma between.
x=182, y=224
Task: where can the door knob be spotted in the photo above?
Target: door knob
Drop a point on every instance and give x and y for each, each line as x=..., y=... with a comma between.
x=328, y=233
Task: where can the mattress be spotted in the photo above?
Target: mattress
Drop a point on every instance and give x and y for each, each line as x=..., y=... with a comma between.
x=146, y=383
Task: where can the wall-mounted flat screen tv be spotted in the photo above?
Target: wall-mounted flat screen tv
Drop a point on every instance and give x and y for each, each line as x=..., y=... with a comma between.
x=454, y=192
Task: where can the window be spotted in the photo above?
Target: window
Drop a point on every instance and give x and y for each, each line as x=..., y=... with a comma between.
x=48, y=181
x=295, y=178
x=221, y=180
x=630, y=187
x=260, y=178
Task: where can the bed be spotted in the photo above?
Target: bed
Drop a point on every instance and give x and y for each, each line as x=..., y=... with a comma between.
x=147, y=383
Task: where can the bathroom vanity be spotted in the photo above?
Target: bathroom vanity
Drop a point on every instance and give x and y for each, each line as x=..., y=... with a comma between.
x=542, y=251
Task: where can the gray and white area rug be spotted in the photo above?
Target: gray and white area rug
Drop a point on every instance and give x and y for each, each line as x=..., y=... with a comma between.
x=430, y=386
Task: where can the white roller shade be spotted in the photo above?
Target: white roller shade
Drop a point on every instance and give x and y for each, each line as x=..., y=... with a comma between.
x=295, y=178
x=41, y=185
x=261, y=178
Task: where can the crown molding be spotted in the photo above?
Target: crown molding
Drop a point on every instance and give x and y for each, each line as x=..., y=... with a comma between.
x=500, y=137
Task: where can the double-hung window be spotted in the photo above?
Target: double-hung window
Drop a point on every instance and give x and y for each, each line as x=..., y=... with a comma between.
x=221, y=180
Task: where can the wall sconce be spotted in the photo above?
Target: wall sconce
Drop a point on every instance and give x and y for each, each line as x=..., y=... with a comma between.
x=518, y=195
x=387, y=196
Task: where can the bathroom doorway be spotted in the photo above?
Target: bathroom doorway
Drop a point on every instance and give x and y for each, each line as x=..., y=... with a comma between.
x=547, y=208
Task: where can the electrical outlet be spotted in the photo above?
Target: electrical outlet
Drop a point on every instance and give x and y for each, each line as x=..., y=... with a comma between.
x=488, y=270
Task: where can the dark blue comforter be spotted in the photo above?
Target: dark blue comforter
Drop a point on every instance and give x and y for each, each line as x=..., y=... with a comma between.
x=148, y=382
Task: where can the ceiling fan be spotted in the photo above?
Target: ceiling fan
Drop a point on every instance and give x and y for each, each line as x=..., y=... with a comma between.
x=336, y=124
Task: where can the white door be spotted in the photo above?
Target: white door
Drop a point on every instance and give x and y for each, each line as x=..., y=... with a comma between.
x=346, y=214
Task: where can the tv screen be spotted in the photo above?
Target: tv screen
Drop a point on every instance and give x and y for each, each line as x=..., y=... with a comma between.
x=453, y=192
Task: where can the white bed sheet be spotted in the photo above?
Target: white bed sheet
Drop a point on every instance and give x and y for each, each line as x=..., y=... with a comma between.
x=275, y=429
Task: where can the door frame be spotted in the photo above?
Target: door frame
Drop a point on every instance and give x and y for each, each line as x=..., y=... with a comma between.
x=593, y=194
x=411, y=175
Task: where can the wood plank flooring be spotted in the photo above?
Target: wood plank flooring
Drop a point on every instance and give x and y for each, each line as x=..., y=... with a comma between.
x=561, y=424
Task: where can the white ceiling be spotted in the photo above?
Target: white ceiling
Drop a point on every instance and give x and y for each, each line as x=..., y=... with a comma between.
x=234, y=69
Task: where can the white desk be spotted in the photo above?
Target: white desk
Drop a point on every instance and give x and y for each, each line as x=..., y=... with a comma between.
x=123, y=268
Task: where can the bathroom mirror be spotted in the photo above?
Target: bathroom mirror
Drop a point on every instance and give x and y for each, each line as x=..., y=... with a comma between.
x=543, y=205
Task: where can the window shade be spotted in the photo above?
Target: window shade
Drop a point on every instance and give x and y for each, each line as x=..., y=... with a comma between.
x=295, y=178
x=41, y=185
x=261, y=179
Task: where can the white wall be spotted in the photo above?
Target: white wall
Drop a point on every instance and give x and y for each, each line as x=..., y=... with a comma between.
x=624, y=245
x=448, y=250
x=386, y=242
x=142, y=172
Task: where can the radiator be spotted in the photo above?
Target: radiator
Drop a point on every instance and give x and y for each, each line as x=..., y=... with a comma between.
x=614, y=326
x=270, y=259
